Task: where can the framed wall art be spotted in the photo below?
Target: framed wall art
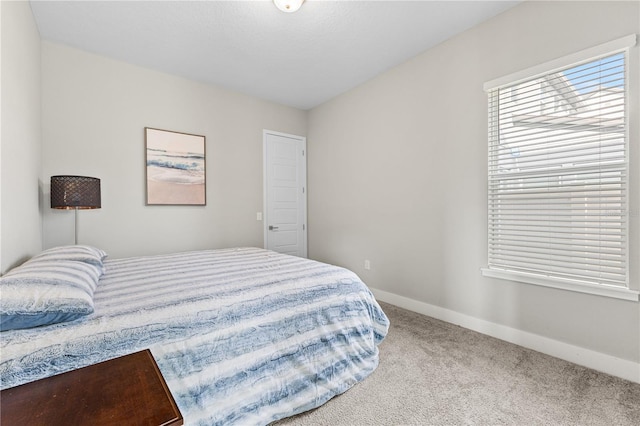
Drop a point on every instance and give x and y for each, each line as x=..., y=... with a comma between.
x=176, y=168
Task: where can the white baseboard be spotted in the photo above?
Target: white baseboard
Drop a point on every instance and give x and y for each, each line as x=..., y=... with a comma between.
x=618, y=367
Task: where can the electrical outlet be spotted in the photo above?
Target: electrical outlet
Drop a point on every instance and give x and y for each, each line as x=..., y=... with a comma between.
x=259, y=216
x=367, y=264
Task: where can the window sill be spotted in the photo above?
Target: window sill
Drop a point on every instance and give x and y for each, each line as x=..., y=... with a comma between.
x=599, y=290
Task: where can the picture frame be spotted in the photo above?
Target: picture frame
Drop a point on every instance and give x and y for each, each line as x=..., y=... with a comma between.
x=175, y=169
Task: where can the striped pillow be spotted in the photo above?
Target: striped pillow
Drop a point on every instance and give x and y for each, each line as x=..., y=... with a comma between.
x=87, y=254
x=46, y=292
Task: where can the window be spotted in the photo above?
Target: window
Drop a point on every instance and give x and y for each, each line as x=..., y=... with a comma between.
x=558, y=173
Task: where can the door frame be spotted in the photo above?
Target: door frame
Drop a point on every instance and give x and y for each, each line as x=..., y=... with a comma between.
x=303, y=173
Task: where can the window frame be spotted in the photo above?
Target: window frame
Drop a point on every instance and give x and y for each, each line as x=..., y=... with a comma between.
x=621, y=45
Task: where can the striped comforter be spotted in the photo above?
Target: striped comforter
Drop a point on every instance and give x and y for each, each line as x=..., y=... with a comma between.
x=242, y=336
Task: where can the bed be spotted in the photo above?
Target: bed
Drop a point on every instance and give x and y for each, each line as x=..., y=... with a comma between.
x=241, y=336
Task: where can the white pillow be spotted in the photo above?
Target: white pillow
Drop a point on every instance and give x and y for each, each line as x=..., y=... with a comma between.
x=87, y=254
x=43, y=292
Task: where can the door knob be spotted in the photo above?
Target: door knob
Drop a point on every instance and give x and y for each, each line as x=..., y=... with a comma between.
x=272, y=228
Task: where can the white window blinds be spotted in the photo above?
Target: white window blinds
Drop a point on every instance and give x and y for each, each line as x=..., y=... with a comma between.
x=558, y=174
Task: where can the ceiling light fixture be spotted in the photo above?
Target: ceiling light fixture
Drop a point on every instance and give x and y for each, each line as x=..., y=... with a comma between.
x=288, y=6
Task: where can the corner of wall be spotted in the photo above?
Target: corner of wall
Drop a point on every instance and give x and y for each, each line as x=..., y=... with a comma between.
x=20, y=135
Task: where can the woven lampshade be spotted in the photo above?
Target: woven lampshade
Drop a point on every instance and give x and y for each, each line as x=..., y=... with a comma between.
x=75, y=192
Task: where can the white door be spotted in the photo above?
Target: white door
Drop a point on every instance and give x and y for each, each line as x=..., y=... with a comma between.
x=285, y=197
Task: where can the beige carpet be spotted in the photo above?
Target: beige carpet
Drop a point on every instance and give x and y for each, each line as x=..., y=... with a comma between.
x=435, y=373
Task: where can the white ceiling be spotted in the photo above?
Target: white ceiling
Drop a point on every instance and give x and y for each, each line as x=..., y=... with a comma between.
x=298, y=59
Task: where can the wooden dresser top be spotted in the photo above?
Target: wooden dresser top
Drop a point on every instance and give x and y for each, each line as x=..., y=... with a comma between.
x=128, y=390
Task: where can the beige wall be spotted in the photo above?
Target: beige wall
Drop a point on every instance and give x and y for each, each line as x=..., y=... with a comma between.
x=398, y=175
x=20, y=167
x=94, y=111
